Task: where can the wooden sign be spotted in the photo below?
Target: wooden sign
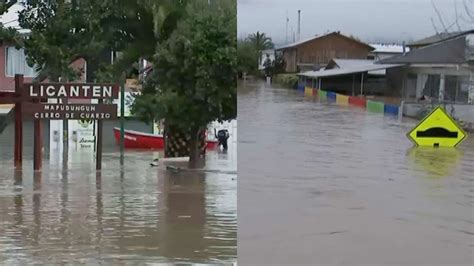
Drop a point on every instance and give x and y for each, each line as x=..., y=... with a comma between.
x=70, y=90
x=69, y=111
x=27, y=98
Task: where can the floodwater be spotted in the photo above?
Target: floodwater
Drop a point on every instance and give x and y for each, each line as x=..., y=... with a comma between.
x=69, y=213
x=322, y=184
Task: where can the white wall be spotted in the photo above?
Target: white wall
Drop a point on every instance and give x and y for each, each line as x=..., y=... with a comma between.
x=463, y=112
x=263, y=57
x=230, y=126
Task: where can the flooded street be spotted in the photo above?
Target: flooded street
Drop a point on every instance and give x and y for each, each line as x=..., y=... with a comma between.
x=322, y=184
x=141, y=215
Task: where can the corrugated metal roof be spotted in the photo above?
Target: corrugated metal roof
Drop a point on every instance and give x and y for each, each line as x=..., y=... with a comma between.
x=347, y=71
x=348, y=63
x=352, y=63
x=388, y=48
x=439, y=37
x=446, y=52
x=299, y=42
x=317, y=37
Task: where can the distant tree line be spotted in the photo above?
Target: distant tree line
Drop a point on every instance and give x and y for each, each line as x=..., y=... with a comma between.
x=249, y=54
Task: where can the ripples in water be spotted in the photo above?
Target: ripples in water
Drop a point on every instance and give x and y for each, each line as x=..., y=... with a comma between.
x=70, y=213
x=308, y=168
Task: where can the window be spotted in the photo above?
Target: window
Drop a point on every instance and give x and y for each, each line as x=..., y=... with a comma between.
x=431, y=86
x=410, y=92
x=456, y=89
x=16, y=63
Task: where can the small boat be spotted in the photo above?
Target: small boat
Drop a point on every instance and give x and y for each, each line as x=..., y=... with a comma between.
x=140, y=140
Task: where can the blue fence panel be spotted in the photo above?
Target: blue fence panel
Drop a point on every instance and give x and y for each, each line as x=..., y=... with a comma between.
x=331, y=95
x=301, y=87
x=391, y=109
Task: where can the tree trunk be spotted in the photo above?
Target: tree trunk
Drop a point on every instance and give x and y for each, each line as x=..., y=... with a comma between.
x=197, y=148
x=176, y=144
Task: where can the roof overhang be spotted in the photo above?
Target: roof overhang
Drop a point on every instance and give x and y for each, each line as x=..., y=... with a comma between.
x=347, y=71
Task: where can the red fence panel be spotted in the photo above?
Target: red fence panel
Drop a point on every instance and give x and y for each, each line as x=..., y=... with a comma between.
x=357, y=101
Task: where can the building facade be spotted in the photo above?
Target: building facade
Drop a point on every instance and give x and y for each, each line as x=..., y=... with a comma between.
x=436, y=38
x=316, y=52
x=441, y=73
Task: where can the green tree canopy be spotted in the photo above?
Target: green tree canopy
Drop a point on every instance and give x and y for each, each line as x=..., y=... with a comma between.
x=249, y=51
x=193, y=79
x=192, y=45
x=62, y=31
x=260, y=41
x=247, y=57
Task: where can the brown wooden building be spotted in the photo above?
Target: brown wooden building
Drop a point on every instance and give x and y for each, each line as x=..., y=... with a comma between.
x=316, y=52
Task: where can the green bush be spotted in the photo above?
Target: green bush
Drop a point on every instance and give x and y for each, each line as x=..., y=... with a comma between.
x=287, y=80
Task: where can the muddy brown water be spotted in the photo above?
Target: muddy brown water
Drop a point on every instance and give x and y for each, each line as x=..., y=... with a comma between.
x=71, y=214
x=322, y=184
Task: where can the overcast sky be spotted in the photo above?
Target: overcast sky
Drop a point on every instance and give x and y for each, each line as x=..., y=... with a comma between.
x=370, y=20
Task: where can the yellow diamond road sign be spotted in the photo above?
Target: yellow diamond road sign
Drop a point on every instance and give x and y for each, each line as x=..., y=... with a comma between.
x=437, y=129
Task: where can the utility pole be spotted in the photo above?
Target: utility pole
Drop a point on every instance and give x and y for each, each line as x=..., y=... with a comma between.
x=287, y=21
x=299, y=24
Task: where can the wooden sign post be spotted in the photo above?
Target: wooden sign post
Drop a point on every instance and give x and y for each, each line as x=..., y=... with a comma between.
x=18, y=153
x=31, y=103
x=38, y=143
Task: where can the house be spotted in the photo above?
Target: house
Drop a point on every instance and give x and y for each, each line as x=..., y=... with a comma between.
x=352, y=77
x=382, y=51
x=316, y=52
x=439, y=37
x=13, y=60
x=442, y=72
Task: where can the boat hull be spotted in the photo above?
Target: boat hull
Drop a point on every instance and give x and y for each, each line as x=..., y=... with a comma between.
x=140, y=140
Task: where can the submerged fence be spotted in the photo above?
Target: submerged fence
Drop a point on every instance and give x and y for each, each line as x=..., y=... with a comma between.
x=370, y=105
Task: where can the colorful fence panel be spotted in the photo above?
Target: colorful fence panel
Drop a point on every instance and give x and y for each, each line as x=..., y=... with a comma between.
x=342, y=99
x=315, y=92
x=358, y=101
x=331, y=95
x=300, y=87
x=391, y=109
x=375, y=107
x=369, y=105
x=323, y=95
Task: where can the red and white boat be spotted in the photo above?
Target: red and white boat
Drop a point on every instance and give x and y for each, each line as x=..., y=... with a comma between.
x=140, y=140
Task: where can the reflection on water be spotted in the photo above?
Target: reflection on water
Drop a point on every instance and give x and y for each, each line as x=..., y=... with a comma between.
x=322, y=184
x=435, y=163
x=142, y=214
